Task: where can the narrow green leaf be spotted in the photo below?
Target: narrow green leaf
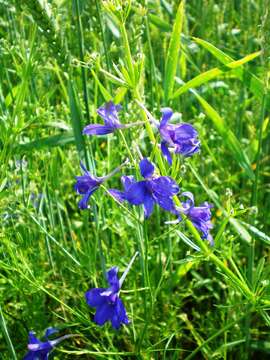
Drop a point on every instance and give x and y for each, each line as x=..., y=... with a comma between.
x=76, y=120
x=213, y=73
x=255, y=85
x=159, y=23
x=50, y=141
x=227, y=135
x=258, y=233
x=187, y=240
x=105, y=93
x=6, y=335
x=173, y=52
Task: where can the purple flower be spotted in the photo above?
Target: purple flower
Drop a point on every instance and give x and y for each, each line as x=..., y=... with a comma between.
x=183, y=138
x=109, y=113
x=109, y=306
x=153, y=190
x=200, y=216
x=39, y=350
x=87, y=184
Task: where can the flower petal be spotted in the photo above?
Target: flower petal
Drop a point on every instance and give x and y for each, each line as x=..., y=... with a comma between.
x=147, y=168
x=97, y=129
x=148, y=205
x=166, y=115
x=184, y=131
x=117, y=194
x=83, y=203
x=136, y=193
x=109, y=113
x=127, y=181
x=93, y=297
x=166, y=152
x=104, y=313
x=164, y=186
x=112, y=279
x=119, y=316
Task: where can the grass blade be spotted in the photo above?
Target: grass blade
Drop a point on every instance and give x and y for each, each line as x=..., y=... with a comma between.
x=228, y=136
x=213, y=73
x=173, y=53
x=6, y=335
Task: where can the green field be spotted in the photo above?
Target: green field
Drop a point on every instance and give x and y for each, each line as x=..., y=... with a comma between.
x=209, y=61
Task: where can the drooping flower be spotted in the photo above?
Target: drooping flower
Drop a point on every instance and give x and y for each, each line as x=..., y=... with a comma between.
x=200, y=216
x=153, y=190
x=109, y=306
x=87, y=184
x=182, y=138
x=109, y=113
x=39, y=350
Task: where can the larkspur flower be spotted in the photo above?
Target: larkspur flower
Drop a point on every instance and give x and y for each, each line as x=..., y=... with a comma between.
x=182, y=138
x=39, y=350
x=109, y=306
x=200, y=216
x=153, y=190
x=87, y=184
x=109, y=113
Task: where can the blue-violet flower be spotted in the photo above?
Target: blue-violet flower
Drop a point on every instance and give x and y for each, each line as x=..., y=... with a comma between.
x=183, y=138
x=39, y=350
x=109, y=306
x=153, y=190
x=200, y=216
x=87, y=184
x=109, y=113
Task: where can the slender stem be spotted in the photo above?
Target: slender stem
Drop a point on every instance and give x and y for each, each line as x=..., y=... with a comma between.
x=81, y=45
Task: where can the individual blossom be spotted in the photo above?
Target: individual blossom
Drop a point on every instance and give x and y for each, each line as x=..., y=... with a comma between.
x=153, y=190
x=182, y=138
x=39, y=350
x=87, y=184
x=200, y=216
x=109, y=113
x=109, y=306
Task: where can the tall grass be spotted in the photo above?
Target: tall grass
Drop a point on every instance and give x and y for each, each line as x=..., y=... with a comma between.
x=207, y=60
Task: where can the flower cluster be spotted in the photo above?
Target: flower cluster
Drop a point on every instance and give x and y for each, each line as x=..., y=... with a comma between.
x=150, y=190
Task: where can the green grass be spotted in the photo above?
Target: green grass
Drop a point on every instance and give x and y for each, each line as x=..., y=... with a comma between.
x=60, y=61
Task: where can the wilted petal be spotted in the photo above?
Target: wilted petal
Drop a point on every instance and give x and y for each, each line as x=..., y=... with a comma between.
x=97, y=129
x=147, y=168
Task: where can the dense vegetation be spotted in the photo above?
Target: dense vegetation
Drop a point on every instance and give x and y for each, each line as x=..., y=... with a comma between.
x=209, y=61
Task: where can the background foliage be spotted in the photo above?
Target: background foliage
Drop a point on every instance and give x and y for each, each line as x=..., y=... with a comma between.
x=57, y=62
